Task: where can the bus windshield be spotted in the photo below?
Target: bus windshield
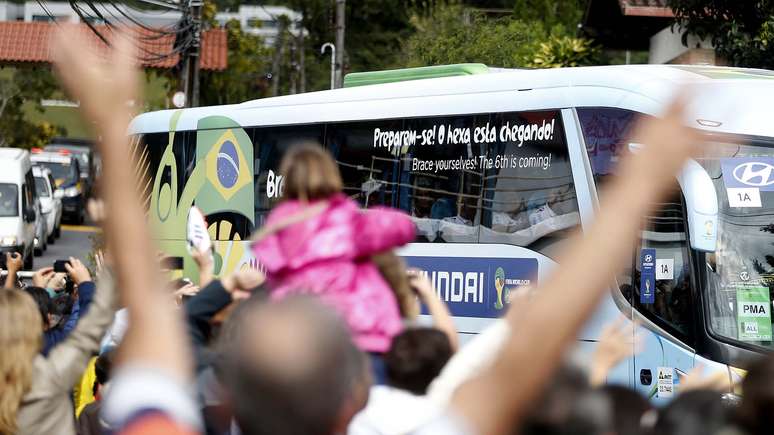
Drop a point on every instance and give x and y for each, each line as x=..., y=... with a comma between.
x=740, y=273
x=61, y=171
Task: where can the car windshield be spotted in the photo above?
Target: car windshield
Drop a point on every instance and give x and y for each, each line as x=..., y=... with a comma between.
x=9, y=200
x=61, y=171
x=40, y=187
x=741, y=270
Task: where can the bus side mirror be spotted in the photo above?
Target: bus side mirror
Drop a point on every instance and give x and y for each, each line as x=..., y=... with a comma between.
x=701, y=204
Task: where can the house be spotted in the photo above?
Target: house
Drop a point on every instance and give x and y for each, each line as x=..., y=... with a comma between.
x=257, y=20
x=637, y=25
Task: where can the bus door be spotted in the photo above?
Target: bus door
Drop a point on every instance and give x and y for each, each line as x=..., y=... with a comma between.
x=664, y=302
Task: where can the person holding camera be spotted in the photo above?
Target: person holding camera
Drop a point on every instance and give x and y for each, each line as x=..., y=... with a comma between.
x=62, y=297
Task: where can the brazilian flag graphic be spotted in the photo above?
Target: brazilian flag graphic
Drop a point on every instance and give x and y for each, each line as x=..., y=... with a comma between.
x=227, y=154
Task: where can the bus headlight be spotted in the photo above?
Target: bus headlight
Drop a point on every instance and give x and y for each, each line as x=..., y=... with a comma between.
x=8, y=241
x=68, y=192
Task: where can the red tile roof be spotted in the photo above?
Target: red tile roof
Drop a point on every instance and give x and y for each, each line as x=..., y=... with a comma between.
x=28, y=42
x=645, y=8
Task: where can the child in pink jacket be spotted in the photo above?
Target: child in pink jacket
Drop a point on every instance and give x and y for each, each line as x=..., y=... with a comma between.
x=319, y=241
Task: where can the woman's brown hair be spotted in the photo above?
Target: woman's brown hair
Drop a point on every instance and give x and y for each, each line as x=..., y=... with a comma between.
x=309, y=173
x=20, y=340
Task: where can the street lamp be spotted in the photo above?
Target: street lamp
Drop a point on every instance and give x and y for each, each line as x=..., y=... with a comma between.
x=333, y=61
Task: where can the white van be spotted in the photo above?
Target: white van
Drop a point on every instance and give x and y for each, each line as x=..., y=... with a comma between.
x=18, y=204
x=50, y=205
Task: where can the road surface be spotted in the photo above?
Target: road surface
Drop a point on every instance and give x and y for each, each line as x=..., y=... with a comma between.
x=75, y=241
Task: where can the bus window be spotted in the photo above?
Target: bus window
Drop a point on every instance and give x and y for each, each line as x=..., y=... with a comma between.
x=664, y=295
x=438, y=187
x=270, y=144
x=148, y=156
x=371, y=174
x=529, y=197
x=606, y=133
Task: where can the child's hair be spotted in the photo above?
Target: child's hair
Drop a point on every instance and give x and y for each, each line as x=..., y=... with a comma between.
x=309, y=173
x=393, y=270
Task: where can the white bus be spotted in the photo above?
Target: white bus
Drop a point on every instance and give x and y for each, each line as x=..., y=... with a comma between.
x=497, y=167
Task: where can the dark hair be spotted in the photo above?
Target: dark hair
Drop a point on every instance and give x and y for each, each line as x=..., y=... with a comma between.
x=569, y=406
x=102, y=368
x=756, y=412
x=309, y=173
x=416, y=357
x=43, y=300
x=62, y=306
x=628, y=408
x=693, y=413
x=291, y=368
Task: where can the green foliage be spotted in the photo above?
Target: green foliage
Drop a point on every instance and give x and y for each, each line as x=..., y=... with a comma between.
x=551, y=13
x=448, y=32
x=375, y=32
x=742, y=32
x=245, y=77
x=442, y=37
x=561, y=51
x=20, y=85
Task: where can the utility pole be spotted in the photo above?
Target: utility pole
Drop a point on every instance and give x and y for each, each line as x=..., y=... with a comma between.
x=341, y=9
x=293, y=66
x=189, y=58
x=301, y=60
x=279, y=51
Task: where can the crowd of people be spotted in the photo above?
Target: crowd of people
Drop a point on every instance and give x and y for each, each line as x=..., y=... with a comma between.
x=326, y=342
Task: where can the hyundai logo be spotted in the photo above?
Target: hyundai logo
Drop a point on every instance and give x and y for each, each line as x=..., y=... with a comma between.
x=755, y=174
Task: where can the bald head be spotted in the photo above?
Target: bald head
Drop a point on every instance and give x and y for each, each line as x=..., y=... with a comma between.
x=293, y=369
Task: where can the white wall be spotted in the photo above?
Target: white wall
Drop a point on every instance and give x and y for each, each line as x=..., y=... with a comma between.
x=667, y=45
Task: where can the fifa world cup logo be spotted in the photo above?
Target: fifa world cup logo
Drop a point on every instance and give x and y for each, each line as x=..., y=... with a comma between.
x=499, y=287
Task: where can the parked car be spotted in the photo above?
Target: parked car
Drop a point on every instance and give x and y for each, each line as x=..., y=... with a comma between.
x=19, y=209
x=65, y=169
x=50, y=205
x=87, y=159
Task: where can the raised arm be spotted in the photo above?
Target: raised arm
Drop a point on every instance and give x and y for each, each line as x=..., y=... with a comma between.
x=381, y=228
x=439, y=312
x=535, y=352
x=156, y=335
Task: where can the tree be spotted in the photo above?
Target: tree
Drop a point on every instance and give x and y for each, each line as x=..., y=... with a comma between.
x=376, y=30
x=20, y=85
x=742, y=32
x=447, y=33
x=245, y=77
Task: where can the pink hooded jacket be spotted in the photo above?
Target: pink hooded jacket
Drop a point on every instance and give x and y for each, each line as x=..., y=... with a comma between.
x=328, y=254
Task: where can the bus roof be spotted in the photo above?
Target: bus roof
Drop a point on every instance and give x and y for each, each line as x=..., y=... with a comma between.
x=408, y=74
x=609, y=86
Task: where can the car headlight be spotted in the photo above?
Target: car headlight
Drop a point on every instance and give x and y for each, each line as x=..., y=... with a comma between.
x=8, y=241
x=68, y=192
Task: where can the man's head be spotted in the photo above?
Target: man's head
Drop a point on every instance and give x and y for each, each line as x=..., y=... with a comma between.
x=102, y=368
x=416, y=357
x=292, y=368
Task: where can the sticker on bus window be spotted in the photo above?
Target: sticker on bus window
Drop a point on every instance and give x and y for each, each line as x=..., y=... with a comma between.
x=749, y=172
x=753, y=313
x=647, y=276
x=744, y=197
x=665, y=268
x=665, y=382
